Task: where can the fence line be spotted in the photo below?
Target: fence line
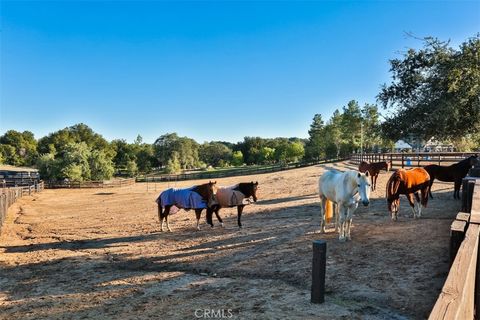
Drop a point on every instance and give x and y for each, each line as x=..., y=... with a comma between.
x=91, y=184
x=460, y=295
x=9, y=196
x=412, y=159
x=232, y=173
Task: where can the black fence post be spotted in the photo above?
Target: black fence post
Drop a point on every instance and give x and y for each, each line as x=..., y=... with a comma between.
x=319, y=263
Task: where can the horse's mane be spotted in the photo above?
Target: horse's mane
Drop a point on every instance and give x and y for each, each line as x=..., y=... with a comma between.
x=245, y=188
x=463, y=164
x=201, y=189
x=394, y=182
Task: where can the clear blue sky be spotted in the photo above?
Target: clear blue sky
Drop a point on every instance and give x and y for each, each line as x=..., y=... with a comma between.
x=207, y=70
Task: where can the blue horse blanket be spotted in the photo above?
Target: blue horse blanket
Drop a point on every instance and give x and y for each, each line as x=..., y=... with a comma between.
x=181, y=199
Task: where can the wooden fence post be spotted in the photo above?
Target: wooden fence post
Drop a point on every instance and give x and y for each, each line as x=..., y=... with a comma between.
x=319, y=263
x=457, y=234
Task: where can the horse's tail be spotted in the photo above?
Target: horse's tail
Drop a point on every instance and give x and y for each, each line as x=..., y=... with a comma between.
x=425, y=193
x=159, y=204
x=328, y=210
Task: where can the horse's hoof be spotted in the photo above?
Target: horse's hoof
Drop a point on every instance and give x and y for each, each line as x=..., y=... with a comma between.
x=223, y=226
x=342, y=239
x=349, y=238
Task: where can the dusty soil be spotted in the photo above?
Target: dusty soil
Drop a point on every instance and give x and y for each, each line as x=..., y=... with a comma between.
x=98, y=254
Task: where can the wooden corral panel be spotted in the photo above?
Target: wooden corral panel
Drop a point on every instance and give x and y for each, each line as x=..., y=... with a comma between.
x=456, y=301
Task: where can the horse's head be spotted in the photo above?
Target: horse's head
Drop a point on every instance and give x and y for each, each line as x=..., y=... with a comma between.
x=393, y=199
x=211, y=189
x=363, y=187
x=473, y=161
x=389, y=165
x=254, y=188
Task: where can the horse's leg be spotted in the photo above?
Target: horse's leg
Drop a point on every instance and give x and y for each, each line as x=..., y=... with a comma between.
x=456, y=192
x=372, y=179
x=198, y=213
x=217, y=210
x=376, y=177
x=337, y=216
x=350, y=211
x=430, y=187
x=419, y=205
x=160, y=216
x=323, y=209
x=209, y=216
x=239, y=216
x=412, y=204
x=166, y=220
x=342, y=222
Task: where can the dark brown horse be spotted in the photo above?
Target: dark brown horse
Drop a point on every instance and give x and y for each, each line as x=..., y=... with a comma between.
x=234, y=196
x=374, y=170
x=197, y=197
x=408, y=182
x=453, y=173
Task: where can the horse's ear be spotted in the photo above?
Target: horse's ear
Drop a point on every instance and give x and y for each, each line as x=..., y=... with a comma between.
x=366, y=173
x=359, y=175
x=256, y=183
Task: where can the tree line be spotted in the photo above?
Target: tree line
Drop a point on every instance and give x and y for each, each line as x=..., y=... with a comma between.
x=435, y=91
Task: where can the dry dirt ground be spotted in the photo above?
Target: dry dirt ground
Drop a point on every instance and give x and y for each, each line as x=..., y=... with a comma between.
x=98, y=254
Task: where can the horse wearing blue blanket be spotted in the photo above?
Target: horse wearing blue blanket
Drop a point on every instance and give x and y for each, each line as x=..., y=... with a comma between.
x=197, y=197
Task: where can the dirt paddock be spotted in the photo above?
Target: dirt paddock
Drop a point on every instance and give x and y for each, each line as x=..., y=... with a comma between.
x=98, y=254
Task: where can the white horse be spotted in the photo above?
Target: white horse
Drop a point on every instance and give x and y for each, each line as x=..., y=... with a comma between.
x=345, y=189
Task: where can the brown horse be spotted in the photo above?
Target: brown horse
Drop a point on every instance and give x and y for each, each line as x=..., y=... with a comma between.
x=197, y=197
x=374, y=170
x=234, y=196
x=408, y=182
x=454, y=173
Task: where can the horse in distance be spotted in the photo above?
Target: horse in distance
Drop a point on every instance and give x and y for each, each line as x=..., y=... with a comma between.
x=237, y=195
x=197, y=197
x=408, y=182
x=346, y=190
x=453, y=173
x=374, y=169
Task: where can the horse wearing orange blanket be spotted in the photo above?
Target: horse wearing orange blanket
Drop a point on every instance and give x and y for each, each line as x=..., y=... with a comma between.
x=408, y=182
x=374, y=169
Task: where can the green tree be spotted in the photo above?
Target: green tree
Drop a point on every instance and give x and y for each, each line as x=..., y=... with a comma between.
x=315, y=146
x=24, y=146
x=74, y=161
x=78, y=133
x=132, y=168
x=173, y=164
x=215, y=153
x=101, y=166
x=186, y=150
x=266, y=155
x=434, y=92
x=237, y=158
x=295, y=151
x=48, y=167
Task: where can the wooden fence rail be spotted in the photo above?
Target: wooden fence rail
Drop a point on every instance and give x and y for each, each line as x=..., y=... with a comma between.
x=9, y=196
x=413, y=159
x=460, y=296
x=231, y=173
x=90, y=184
